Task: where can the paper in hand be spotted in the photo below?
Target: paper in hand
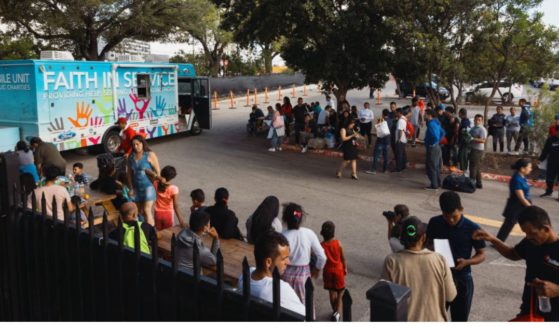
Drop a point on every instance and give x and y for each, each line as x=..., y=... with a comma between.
x=443, y=247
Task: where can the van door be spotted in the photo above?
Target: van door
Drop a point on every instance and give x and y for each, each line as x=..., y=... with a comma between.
x=201, y=103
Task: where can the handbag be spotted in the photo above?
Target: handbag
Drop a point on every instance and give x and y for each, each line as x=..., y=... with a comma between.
x=530, y=316
x=382, y=129
x=280, y=131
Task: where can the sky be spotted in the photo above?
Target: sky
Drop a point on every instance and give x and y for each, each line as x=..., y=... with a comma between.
x=550, y=8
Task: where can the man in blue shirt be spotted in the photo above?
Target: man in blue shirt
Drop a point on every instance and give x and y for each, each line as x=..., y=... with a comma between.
x=433, y=137
x=458, y=230
x=526, y=124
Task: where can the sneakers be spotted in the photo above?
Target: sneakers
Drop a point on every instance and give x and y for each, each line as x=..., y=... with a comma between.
x=272, y=149
x=370, y=172
x=304, y=149
x=335, y=317
x=431, y=188
x=278, y=148
x=545, y=194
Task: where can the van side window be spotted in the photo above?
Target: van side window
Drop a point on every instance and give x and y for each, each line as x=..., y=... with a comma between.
x=143, y=83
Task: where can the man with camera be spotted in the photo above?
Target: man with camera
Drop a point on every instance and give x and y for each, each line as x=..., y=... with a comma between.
x=394, y=218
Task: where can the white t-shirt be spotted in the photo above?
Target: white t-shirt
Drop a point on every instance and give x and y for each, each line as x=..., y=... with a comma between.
x=331, y=103
x=50, y=192
x=366, y=115
x=402, y=126
x=263, y=289
x=322, y=117
x=414, y=119
x=301, y=242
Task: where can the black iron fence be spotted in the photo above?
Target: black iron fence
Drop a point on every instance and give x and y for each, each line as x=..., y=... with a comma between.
x=55, y=270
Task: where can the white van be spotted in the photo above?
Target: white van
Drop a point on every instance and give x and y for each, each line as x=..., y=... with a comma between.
x=506, y=93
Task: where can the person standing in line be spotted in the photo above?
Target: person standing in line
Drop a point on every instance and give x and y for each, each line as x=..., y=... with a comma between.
x=519, y=197
x=479, y=135
x=497, y=128
x=526, y=124
x=425, y=272
x=464, y=139
x=458, y=230
x=550, y=153
x=366, y=117
x=392, y=121
x=540, y=250
x=278, y=125
x=287, y=111
x=299, y=113
x=416, y=120
x=452, y=129
x=433, y=156
x=302, y=242
x=335, y=269
x=401, y=140
x=512, y=125
x=330, y=102
x=381, y=144
x=349, y=146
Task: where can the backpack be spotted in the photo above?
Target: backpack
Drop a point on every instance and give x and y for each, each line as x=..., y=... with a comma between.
x=459, y=183
x=410, y=131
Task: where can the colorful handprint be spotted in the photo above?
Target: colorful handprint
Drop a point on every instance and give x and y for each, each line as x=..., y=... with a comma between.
x=57, y=126
x=160, y=105
x=94, y=140
x=140, y=105
x=121, y=109
x=83, y=113
x=96, y=121
x=105, y=105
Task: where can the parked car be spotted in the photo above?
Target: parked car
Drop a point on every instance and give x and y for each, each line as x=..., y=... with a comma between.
x=406, y=89
x=506, y=93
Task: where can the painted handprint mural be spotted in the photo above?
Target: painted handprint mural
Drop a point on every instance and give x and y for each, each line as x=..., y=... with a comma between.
x=140, y=105
x=83, y=113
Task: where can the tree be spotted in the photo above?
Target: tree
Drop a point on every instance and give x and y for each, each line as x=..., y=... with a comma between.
x=14, y=47
x=341, y=43
x=430, y=39
x=205, y=28
x=81, y=24
x=248, y=32
x=512, y=44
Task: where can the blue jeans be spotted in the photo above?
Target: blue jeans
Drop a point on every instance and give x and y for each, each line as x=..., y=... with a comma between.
x=460, y=307
x=276, y=140
x=381, y=147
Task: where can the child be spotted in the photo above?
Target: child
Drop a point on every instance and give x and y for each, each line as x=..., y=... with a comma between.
x=167, y=201
x=79, y=175
x=335, y=268
x=198, y=199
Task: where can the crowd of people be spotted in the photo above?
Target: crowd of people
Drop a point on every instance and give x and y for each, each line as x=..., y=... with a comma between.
x=148, y=198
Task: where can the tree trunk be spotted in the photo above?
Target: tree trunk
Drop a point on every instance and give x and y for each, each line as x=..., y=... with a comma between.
x=267, y=57
x=486, y=109
x=340, y=90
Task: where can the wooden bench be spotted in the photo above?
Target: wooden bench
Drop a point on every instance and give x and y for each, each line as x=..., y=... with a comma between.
x=233, y=251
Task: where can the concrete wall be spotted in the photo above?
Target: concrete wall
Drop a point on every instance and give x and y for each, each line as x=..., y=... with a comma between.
x=240, y=84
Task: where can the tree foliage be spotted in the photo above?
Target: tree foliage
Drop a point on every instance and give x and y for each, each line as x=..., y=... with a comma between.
x=79, y=25
x=205, y=29
x=339, y=42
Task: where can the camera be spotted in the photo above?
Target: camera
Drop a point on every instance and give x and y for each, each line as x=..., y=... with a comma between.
x=390, y=215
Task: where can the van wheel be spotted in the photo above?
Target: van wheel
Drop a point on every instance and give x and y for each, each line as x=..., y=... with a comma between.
x=111, y=141
x=195, y=130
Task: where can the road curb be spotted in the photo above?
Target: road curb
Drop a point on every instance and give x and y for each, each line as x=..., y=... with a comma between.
x=411, y=165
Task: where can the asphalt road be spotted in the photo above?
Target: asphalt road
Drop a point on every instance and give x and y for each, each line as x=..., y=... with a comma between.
x=226, y=156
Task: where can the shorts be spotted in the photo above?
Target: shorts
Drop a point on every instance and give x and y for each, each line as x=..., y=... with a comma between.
x=163, y=219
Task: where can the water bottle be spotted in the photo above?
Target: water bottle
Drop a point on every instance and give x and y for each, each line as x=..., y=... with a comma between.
x=544, y=304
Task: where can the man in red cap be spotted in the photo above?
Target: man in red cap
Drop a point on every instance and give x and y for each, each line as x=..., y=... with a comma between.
x=126, y=134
